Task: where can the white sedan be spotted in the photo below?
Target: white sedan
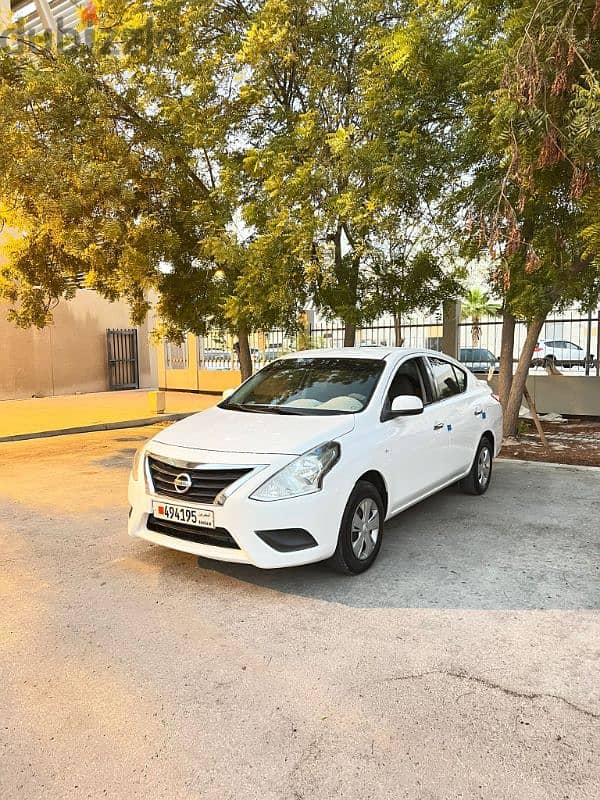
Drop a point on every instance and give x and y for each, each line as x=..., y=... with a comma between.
x=308, y=458
x=560, y=353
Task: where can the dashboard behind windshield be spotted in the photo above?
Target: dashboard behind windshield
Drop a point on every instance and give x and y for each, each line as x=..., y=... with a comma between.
x=309, y=386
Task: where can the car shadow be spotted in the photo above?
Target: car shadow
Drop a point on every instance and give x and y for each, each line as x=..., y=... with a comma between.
x=499, y=551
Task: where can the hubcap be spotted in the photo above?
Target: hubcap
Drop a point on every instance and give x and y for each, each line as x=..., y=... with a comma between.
x=484, y=466
x=365, y=528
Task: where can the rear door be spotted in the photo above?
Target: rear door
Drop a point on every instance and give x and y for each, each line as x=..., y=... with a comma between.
x=553, y=349
x=461, y=412
x=573, y=353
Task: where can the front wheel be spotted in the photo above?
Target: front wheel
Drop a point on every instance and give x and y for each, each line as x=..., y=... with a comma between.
x=478, y=479
x=359, y=540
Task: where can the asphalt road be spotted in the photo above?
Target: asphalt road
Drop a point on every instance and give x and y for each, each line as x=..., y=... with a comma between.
x=465, y=664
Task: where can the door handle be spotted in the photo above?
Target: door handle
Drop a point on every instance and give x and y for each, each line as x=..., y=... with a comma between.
x=478, y=411
x=438, y=426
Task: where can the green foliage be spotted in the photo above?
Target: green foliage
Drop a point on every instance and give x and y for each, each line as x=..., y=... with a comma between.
x=418, y=283
x=476, y=304
x=347, y=135
x=238, y=157
x=232, y=156
x=530, y=144
x=120, y=163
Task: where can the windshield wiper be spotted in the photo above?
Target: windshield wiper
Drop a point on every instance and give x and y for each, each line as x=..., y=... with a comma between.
x=242, y=407
x=268, y=409
x=264, y=409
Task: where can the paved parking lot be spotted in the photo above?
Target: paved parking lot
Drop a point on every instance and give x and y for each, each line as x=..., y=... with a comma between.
x=464, y=664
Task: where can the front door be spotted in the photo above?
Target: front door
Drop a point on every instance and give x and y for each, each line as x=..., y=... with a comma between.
x=416, y=447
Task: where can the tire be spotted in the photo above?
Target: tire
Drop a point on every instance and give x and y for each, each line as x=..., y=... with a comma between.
x=480, y=475
x=550, y=361
x=357, y=549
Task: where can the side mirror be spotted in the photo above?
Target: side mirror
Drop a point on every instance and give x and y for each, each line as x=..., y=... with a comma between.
x=406, y=405
x=227, y=393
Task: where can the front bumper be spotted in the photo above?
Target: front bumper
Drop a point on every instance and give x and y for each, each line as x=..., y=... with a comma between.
x=251, y=523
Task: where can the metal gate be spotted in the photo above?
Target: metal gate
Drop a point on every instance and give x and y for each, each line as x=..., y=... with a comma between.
x=123, y=367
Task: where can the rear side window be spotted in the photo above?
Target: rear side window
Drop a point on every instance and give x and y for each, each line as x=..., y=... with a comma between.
x=461, y=378
x=448, y=380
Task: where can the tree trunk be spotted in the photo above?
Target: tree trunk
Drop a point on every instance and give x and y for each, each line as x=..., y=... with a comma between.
x=244, y=354
x=399, y=339
x=507, y=348
x=515, y=398
x=535, y=416
x=475, y=333
x=349, y=334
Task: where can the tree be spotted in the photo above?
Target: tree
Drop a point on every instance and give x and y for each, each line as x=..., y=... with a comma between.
x=531, y=156
x=475, y=305
x=405, y=285
x=349, y=130
x=230, y=155
x=117, y=163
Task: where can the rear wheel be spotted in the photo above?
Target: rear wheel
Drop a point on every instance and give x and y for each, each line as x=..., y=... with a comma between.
x=478, y=479
x=359, y=539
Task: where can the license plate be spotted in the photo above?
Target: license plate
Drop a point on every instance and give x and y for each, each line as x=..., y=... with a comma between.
x=201, y=517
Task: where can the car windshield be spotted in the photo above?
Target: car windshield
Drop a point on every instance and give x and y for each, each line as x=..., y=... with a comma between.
x=309, y=386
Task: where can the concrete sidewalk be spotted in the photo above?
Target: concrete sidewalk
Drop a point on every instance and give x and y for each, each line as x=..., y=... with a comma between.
x=51, y=416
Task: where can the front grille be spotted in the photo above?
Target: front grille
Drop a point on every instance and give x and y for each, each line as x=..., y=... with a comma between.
x=206, y=483
x=217, y=537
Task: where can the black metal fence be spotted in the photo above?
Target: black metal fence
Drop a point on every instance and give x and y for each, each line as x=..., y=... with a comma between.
x=221, y=351
x=573, y=339
x=380, y=335
x=122, y=358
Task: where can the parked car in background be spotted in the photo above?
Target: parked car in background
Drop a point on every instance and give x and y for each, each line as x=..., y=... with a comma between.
x=560, y=352
x=478, y=359
x=273, y=352
x=254, y=351
x=307, y=458
x=217, y=355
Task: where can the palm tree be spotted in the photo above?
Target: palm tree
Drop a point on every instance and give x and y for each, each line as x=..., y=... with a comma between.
x=477, y=304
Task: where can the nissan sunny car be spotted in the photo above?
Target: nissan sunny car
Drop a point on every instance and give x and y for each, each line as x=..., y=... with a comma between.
x=307, y=459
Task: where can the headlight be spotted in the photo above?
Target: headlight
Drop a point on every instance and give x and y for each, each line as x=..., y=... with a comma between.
x=303, y=476
x=137, y=460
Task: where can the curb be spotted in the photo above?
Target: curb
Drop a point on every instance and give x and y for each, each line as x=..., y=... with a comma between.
x=548, y=464
x=101, y=426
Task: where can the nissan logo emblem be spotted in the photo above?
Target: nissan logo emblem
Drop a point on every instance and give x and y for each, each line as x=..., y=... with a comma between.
x=182, y=483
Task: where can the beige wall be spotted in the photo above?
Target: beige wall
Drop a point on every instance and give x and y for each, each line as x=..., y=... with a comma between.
x=578, y=395
x=70, y=355
x=179, y=378
x=191, y=378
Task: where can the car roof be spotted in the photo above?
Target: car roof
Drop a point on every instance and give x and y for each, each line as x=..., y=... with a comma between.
x=377, y=352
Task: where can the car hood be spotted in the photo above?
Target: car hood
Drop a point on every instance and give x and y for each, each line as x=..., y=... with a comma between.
x=229, y=431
